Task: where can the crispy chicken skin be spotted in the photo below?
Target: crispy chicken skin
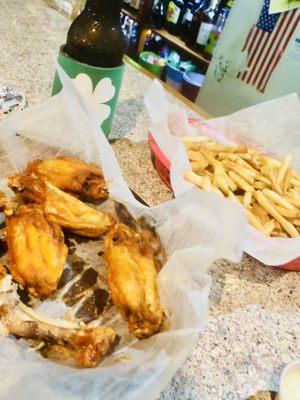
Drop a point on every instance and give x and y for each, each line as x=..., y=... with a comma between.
x=36, y=250
x=132, y=279
x=71, y=175
x=62, y=208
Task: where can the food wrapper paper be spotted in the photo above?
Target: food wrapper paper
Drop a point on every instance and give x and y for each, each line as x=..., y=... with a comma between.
x=271, y=127
x=196, y=228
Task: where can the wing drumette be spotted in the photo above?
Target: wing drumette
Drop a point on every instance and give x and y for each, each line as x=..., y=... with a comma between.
x=71, y=175
x=60, y=207
x=132, y=279
x=36, y=250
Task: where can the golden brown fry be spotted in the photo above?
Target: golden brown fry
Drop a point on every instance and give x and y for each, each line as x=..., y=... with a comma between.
x=246, y=173
x=197, y=139
x=71, y=175
x=132, y=279
x=241, y=183
x=275, y=185
x=199, y=166
x=261, y=213
x=36, y=250
x=294, y=181
x=269, y=227
x=288, y=180
x=274, y=197
x=254, y=221
x=283, y=169
x=201, y=182
x=209, y=156
x=260, y=185
x=197, y=156
x=287, y=226
x=287, y=213
x=219, y=180
x=247, y=199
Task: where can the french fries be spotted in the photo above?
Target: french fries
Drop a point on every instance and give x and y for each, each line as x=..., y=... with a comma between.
x=268, y=189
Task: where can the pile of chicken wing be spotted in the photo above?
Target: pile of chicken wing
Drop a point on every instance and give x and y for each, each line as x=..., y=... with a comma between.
x=49, y=203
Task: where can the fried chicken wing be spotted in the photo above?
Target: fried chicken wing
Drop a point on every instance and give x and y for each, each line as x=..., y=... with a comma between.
x=36, y=250
x=86, y=346
x=74, y=215
x=71, y=175
x=62, y=208
x=132, y=279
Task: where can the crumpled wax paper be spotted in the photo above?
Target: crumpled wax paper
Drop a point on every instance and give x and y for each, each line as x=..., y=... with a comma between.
x=271, y=127
x=196, y=228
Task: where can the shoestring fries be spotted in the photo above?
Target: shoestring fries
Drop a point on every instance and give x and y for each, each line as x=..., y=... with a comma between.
x=268, y=189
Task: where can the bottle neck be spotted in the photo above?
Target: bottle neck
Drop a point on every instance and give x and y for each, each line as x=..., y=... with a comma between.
x=104, y=7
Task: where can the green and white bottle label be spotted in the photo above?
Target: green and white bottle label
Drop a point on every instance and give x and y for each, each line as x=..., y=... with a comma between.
x=173, y=13
x=204, y=32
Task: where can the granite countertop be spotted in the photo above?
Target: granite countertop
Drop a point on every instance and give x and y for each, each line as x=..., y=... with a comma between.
x=254, y=325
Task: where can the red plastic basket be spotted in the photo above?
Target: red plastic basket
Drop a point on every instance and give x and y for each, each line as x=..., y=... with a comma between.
x=162, y=166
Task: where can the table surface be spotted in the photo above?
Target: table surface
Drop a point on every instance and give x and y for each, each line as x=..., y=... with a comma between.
x=254, y=325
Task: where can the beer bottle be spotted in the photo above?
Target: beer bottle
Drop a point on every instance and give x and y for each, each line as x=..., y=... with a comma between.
x=174, y=16
x=195, y=24
x=187, y=19
x=208, y=18
x=95, y=36
x=158, y=14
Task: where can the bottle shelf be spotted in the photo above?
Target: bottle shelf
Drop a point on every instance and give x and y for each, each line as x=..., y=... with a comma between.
x=131, y=13
x=179, y=44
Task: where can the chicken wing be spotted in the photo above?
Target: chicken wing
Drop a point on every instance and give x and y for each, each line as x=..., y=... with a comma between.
x=132, y=279
x=62, y=208
x=60, y=339
x=36, y=250
x=71, y=175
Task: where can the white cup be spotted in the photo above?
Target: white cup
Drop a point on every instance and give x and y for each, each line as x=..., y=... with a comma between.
x=290, y=382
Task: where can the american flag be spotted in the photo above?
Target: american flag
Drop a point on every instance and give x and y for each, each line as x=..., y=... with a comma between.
x=265, y=45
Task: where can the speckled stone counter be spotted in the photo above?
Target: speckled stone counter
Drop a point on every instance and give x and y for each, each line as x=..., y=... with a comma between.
x=254, y=328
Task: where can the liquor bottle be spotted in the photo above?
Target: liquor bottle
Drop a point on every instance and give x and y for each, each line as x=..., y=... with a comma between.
x=208, y=18
x=158, y=14
x=195, y=24
x=187, y=18
x=216, y=31
x=135, y=4
x=95, y=37
x=126, y=3
x=174, y=16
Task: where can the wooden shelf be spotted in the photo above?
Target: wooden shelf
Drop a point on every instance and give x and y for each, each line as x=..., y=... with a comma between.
x=177, y=42
x=130, y=13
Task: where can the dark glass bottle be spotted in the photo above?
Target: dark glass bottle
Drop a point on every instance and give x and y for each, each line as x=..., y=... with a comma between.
x=195, y=24
x=208, y=18
x=187, y=18
x=158, y=14
x=95, y=37
x=174, y=16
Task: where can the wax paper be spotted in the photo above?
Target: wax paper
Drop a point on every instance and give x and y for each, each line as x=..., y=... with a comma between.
x=271, y=127
x=196, y=228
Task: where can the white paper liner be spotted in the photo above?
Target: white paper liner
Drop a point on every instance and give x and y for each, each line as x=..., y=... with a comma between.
x=196, y=229
x=271, y=127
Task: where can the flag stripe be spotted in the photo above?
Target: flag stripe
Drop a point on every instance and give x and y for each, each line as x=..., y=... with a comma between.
x=254, y=50
x=258, y=54
x=274, y=38
x=250, y=33
x=253, y=47
x=265, y=45
x=293, y=25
